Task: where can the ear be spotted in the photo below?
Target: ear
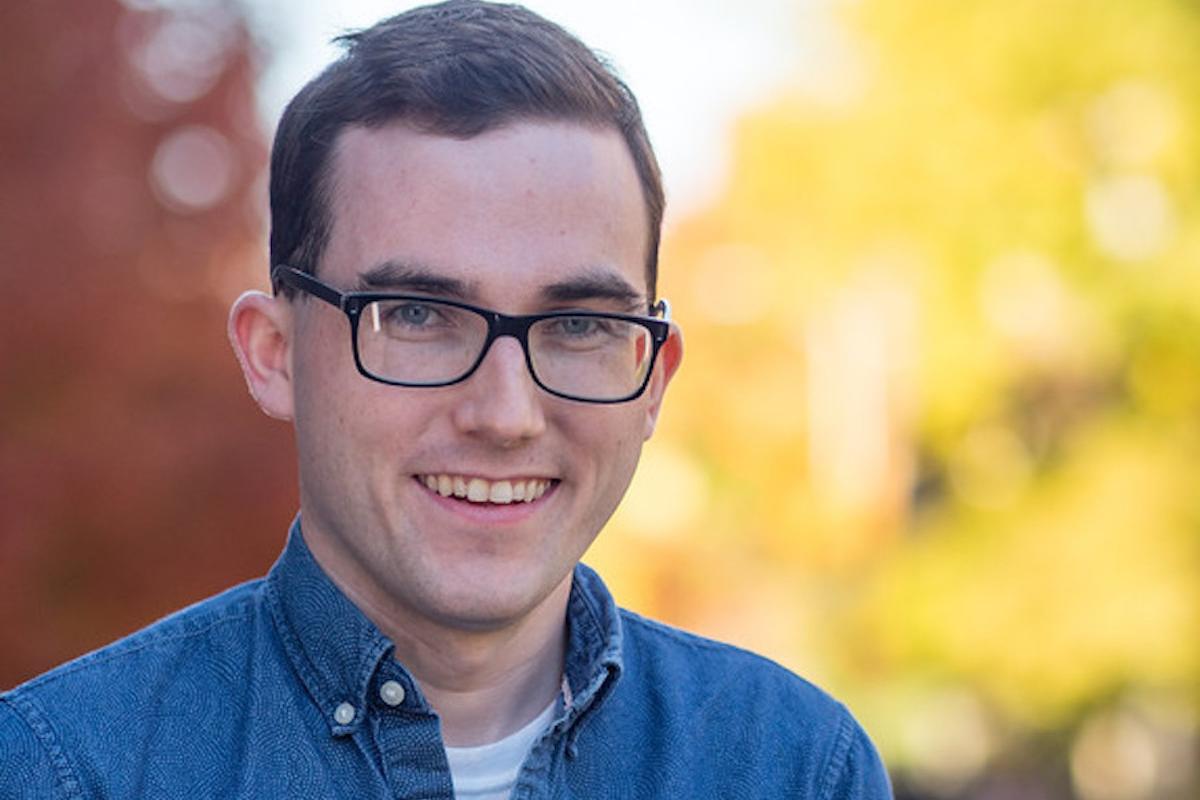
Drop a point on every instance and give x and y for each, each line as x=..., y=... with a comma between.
x=260, y=331
x=669, y=356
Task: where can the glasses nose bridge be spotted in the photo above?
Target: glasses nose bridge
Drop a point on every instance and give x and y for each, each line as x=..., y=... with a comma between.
x=500, y=325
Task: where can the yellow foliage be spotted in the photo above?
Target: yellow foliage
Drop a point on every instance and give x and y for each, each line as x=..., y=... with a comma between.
x=937, y=423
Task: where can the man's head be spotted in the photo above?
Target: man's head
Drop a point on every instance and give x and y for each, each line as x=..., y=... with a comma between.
x=465, y=504
x=455, y=69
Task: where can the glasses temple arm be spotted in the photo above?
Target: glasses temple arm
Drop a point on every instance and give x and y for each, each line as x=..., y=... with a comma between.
x=306, y=283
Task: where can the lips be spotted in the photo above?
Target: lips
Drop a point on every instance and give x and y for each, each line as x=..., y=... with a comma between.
x=481, y=490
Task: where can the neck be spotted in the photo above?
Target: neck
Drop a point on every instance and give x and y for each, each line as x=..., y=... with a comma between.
x=484, y=683
x=488, y=684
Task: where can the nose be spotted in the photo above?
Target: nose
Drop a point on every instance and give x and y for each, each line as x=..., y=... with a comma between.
x=500, y=401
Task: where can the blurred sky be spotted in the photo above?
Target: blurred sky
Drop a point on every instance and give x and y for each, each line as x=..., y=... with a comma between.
x=694, y=64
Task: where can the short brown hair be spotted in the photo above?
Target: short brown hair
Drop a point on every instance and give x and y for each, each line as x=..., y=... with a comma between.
x=457, y=68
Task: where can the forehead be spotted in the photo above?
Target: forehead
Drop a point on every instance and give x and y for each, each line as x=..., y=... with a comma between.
x=510, y=210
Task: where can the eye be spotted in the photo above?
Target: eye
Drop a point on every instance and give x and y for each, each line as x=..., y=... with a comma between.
x=578, y=326
x=412, y=313
x=580, y=333
x=405, y=318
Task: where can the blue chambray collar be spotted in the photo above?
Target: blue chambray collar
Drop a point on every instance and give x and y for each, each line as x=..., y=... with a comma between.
x=594, y=647
x=333, y=647
x=336, y=650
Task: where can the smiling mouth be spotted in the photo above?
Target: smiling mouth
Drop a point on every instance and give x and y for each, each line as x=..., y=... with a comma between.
x=480, y=490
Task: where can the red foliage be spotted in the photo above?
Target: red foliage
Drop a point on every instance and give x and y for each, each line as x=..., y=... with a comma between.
x=136, y=474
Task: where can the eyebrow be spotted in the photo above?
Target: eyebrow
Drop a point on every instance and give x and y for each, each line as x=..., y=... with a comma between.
x=596, y=285
x=398, y=276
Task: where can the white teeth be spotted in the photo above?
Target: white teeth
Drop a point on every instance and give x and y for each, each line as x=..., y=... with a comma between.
x=478, y=490
x=501, y=492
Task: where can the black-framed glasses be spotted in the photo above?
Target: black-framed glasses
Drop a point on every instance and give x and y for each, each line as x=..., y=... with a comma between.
x=415, y=341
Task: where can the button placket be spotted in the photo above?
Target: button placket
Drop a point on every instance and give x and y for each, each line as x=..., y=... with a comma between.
x=410, y=744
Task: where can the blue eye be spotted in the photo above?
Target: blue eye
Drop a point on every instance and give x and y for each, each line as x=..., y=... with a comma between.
x=412, y=313
x=577, y=326
x=409, y=318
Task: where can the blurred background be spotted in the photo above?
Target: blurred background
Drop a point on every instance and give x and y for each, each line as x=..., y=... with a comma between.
x=934, y=442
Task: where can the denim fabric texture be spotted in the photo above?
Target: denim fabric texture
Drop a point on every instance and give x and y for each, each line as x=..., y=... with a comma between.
x=272, y=689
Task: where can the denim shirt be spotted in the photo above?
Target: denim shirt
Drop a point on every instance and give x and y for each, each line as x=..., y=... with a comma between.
x=275, y=689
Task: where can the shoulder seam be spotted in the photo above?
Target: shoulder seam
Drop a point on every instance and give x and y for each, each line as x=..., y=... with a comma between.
x=841, y=751
x=28, y=712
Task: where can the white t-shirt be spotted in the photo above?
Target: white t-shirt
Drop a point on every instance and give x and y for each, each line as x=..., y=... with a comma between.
x=489, y=771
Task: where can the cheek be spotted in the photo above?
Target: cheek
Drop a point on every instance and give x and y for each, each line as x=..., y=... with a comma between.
x=614, y=442
x=333, y=408
x=327, y=384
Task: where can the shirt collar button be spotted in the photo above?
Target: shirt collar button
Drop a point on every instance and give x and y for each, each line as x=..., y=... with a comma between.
x=392, y=693
x=343, y=714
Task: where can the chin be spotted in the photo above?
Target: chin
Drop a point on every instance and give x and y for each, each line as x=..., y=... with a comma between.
x=488, y=599
x=480, y=613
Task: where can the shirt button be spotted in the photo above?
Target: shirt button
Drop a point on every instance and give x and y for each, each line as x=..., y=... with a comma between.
x=344, y=714
x=391, y=693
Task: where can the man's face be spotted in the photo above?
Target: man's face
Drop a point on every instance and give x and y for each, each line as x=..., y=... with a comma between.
x=509, y=220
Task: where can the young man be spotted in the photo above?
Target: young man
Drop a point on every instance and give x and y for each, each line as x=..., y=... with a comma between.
x=465, y=335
